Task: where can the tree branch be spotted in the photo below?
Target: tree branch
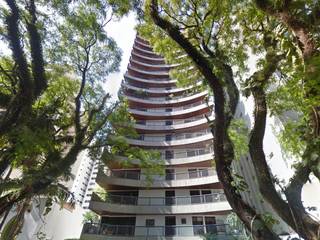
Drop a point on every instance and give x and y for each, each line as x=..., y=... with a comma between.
x=38, y=72
x=244, y=211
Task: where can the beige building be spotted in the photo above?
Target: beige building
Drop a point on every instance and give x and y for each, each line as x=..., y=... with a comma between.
x=187, y=201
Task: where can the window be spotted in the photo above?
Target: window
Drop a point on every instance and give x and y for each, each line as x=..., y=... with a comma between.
x=149, y=222
x=169, y=154
x=193, y=173
x=168, y=137
x=170, y=174
x=183, y=221
x=142, y=122
x=168, y=123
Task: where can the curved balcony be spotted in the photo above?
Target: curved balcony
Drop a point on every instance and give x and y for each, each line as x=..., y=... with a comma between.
x=172, y=140
x=166, y=67
x=178, y=179
x=145, y=52
x=186, y=112
x=158, y=91
x=145, y=59
x=126, y=232
x=180, y=158
x=190, y=160
x=215, y=202
x=179, y=100
x=159, y=127
x=149, y=73
x=142, y=43
x=150, y=81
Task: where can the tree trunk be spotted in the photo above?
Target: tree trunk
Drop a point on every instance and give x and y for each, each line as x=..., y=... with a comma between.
x=293, y=213
x=223, y=165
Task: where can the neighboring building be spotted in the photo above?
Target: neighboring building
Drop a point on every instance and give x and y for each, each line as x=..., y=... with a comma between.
x=188, y=201
x=84, y=182
x=61, y=223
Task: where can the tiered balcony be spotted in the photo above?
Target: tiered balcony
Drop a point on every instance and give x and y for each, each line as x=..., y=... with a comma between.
x=172, y=140
x=169, y=126
x=142, y=44
x=145, y=59
x=136, y=179
x=148, y=73
x=92, y=231
x=151, y=82
x=144, y=101
x=158, y=91
x=195, y=204
x=186, y=111
x=146, y=53
x=138, y=64
x=178, y=157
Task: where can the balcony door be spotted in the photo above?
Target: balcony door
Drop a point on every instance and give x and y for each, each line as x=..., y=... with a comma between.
x=195, y=196
x=211, y=226
x=170, y=198
x=168, y=123
x=170, y=225
x=170, y=174
x=197, y=223
x=169, y=154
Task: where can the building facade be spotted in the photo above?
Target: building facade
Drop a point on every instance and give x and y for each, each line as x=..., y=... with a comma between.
x=53, y=225
x=186, y=202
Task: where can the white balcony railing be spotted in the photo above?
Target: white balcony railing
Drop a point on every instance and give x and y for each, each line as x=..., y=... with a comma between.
x=153, y=81
x=166, y=100
x=175, y=109
x=169, y=231
x=157, y=59
x=179, y=175
x=131, y=178
x=164, y=72
x=159, y=201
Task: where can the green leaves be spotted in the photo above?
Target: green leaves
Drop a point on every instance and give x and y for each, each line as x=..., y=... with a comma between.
x=291, y=138
x=90, y=217
x=238, y=133
x=73, y=112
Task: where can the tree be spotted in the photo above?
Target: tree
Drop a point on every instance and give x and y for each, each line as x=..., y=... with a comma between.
x=215, y=37
x=52, y=99
x=190, y=25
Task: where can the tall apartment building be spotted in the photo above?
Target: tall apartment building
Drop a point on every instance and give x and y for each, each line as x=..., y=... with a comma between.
x=186, y=202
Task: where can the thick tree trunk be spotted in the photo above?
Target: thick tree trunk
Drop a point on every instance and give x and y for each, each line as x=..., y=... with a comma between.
x=293, y=213
x=4, y=218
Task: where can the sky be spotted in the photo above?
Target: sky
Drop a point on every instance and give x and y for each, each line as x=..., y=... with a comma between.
x=124, y=33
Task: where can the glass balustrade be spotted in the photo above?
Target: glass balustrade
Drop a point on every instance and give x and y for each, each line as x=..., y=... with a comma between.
x=161, y=99
x=160, y=201
x=175, y=230
x=170, y=122
x=180, y=175
x=171, y=109
x=173, y=137
x=185, y=153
